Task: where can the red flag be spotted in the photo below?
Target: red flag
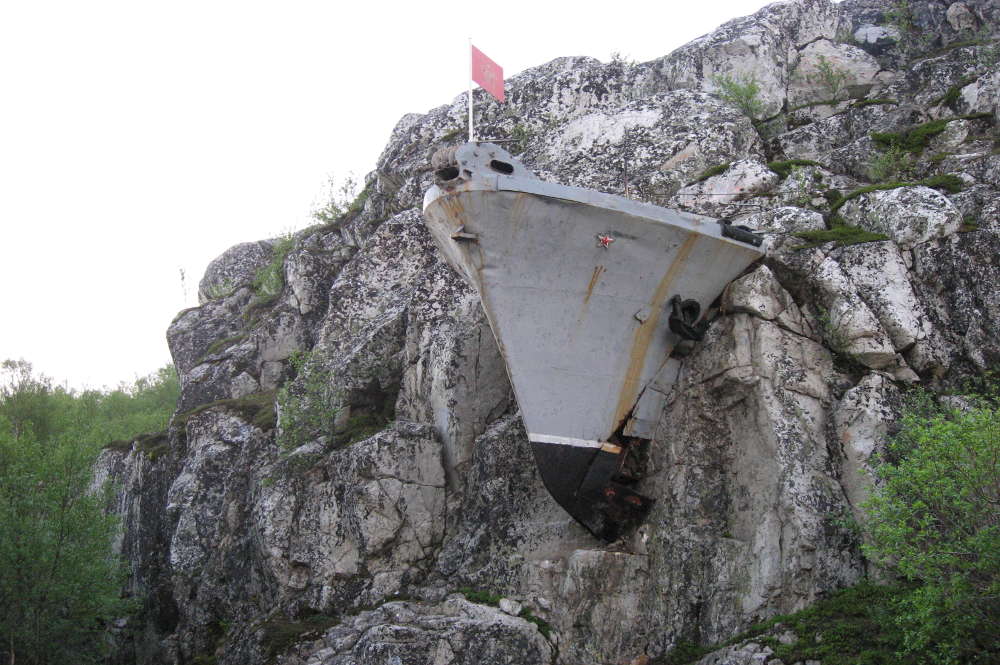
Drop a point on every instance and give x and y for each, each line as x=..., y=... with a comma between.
x=487, y=73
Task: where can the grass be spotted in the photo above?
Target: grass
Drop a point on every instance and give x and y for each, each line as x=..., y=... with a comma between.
x=493, y=600
x=543, y=626
x=946, y=181
x=686, y=652
x=853, y=626
x=359, y=427
x=953, y=93
x=914, y=139
x=950, y=183
x=841, y=234
x=270, y=279
x=280, y=634
x=480, y=597
x=257, y=409
x=711, y=171
x=153, y=444
x=954, y=45
x=784, y=168
x=118, y=445
x=222, y=344
x=861, y=103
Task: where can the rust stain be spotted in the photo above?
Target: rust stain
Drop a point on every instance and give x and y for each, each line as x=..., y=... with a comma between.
x=629, y=392
x=598, y=271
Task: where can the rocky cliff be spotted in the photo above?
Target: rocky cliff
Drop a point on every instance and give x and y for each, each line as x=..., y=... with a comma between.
x=347, y=478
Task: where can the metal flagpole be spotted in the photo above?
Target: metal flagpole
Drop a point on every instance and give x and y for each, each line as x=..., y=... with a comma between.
x=472, y=136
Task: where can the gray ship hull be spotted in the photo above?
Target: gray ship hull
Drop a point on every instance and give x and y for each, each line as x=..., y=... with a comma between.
x=577, y=287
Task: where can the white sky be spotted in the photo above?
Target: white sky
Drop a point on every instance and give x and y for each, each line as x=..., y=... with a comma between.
x=139, y=139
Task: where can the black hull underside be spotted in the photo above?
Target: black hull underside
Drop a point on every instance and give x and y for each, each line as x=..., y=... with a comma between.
x=583, y=481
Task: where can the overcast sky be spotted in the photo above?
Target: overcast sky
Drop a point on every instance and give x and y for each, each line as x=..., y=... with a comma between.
x=139, y=140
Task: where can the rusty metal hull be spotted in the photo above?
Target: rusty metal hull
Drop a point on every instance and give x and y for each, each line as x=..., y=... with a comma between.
x=575, y=285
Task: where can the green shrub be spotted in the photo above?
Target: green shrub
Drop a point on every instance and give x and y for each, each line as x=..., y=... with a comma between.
x=342, y=197
x=851, y=626
x=223, y=290
x=830, y=78
x=742, y=92
x=256, y=409
x=710, y=172
x=480, y=597
x=841, y=234
x=521, y=137
x=934, y=519
x=543, y=626
x=900, y=16
x=950, y=183
x=946, y=181
x=60, y=583
x=270, y=280
x=914, y=139
x=861, y=103
x=784, y=168
x=892, y=164
x=309, y=403
x=222, y=344
x=279, y=634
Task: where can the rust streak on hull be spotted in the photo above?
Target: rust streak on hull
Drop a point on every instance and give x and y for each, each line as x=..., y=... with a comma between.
x=629, y=392
x=598, y=271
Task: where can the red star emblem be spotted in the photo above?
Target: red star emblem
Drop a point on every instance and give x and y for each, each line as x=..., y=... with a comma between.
x=605, y=240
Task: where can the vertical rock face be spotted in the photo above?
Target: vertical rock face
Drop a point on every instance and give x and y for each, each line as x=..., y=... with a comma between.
x=348, y=479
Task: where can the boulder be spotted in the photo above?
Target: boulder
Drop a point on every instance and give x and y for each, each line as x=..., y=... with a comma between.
x=236, y=268
x=453, y=631
x=908, y=215
x=716, y=195
x=828, y=70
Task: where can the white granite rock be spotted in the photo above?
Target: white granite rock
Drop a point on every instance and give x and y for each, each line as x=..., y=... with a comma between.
x=908, y=215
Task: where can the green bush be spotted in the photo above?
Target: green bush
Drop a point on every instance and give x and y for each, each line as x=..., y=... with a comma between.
x=343, y=197
x=270, y=280
x=308, y=404
x=741, y=92
x=934, y=519
x=840, y=233
x=892, y=164
x=914, y=139
x=58, y=585
x=852, y=626
x=785, y=167
x=710, y=172
x=59, y=582
x=829, y=77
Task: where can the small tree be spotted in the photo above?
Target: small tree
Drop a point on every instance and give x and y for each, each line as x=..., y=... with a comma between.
x=829, y=77
x=309, y=404
x=59, y=581
x=741, y=92
x=59, y=584
x=338, y=198
x=934, y=518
